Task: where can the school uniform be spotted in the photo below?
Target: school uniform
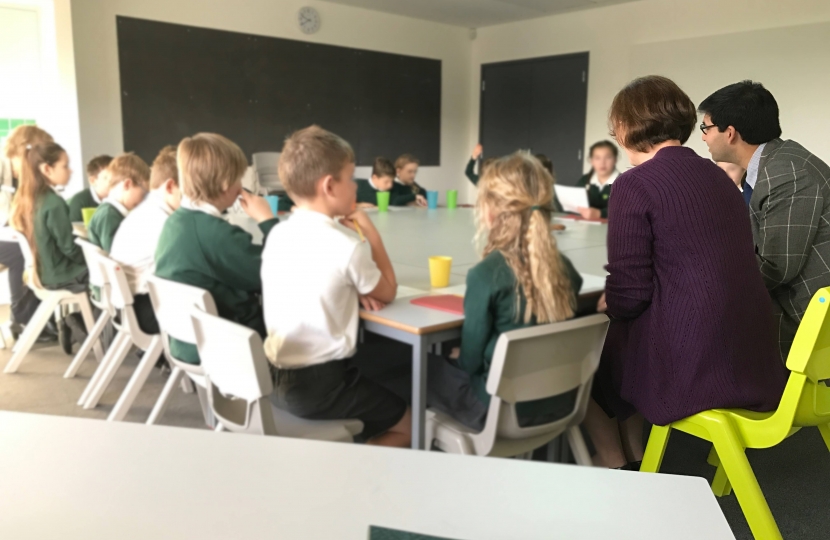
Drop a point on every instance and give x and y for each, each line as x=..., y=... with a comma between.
x=470, y=171
x=311, y=313
x=105, y=223
x=367, y=192
x=134, y=246
x=199, y=248
x=402, y=194
x=60, y=262
x=83, y=199
x=458, y=387
x=598, y=194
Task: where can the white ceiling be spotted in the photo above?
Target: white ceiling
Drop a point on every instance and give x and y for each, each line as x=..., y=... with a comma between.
x=476, y=13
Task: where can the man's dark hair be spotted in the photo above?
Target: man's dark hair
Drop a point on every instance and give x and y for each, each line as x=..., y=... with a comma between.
x=748, y=107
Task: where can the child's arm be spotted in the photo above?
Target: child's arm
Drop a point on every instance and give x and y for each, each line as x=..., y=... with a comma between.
x=478, y=323
x=387, y=287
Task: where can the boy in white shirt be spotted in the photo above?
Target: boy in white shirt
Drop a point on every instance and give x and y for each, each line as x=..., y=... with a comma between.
x=315, y=269
x=134, y=245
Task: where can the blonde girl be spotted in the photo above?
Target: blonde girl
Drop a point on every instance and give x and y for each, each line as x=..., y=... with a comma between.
x=521, y=281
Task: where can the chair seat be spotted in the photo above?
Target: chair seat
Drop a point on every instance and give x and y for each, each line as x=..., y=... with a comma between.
x=289, y=425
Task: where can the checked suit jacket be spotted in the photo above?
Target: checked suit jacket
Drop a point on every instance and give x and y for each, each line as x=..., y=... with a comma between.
x=790, y=216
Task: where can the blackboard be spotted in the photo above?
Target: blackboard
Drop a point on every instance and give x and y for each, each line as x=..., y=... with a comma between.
x=179, y=80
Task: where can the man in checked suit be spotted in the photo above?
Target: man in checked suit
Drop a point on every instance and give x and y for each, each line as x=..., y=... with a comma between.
x=787, y=190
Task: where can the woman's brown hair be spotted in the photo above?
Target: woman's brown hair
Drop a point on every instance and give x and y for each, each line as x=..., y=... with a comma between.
x=33, y=184
x=513, y=212
x=649, y=111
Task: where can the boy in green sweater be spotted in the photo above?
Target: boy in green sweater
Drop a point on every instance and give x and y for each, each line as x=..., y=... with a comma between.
x=198, y=247
x=383, y=177
x=99, y=188
x=129, y=181
x=405, y=191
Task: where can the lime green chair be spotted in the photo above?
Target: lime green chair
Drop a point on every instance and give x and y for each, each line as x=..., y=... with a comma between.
x=805, y=402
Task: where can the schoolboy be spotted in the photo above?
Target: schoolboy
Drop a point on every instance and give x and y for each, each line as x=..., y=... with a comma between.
x=405, y=191
x=129, y=178
x=383, y=176
x=98, y=190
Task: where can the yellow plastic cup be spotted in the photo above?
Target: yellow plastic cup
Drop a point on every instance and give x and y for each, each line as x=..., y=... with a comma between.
x=439, y=271
x=87, y=213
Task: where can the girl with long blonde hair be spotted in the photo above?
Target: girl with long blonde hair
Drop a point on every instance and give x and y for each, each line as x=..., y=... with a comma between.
x=522, y=280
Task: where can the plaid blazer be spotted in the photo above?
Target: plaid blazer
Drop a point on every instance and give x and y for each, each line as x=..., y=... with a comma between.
x=790, y=215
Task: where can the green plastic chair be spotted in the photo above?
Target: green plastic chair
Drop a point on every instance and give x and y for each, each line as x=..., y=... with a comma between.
x=805, y=403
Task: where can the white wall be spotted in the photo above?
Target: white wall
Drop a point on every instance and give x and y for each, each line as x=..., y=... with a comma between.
x=701, y=44
x=96, y=55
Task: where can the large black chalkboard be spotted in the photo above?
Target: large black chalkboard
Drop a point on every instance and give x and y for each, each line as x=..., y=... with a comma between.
x=179, y=80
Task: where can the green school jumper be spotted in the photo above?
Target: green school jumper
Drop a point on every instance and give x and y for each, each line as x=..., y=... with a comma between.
x=78, y=202
x=366, y=193
x=597, y=198
x=489, y=311
x=104, y=225
x=59, y=259
x=470, y=172
x=206, y=251
x=402, y=195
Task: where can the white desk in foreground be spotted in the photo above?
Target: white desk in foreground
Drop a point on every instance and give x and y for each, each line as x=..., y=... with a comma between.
x=73, y=478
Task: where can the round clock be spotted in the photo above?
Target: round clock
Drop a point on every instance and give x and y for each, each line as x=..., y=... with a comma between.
x=309, y=20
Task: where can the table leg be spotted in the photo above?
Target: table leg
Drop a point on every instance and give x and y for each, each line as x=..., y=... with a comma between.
x=420, y=347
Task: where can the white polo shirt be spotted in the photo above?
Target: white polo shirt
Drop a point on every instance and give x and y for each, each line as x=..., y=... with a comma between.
x=134, y=245
x=313, y=270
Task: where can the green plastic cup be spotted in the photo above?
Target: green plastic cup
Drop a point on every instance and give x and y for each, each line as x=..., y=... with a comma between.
x=383, y=201
x=452, y=198
x=87, y=214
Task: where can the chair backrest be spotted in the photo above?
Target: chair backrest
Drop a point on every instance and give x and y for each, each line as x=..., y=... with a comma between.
x=541, y=362
x=29, y=259
x=237, y=373
x=266, y=165
x=120, y=294
x=92, y=254
x=172, y=302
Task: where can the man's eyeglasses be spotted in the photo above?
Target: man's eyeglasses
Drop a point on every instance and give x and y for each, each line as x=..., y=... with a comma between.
x=704, y=127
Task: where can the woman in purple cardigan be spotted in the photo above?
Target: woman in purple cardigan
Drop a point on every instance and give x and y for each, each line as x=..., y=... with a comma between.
x=692, y=325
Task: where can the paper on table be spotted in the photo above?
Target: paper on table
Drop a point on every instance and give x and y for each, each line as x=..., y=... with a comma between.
x=406, y=292
x=571, y=198
x=592, y=283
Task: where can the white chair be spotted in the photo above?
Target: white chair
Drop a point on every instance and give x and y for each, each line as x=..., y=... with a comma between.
x=4, y=327
x=266, y=166
x=530, y=364
x=50, y=302
x=172, y=303
x=92, y=255
x=129, y=334
x=239, y=382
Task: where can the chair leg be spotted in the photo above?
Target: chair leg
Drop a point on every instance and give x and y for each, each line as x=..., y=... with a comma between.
x=720, y=483
x=164, y=398
x=91, y=339
x=207, y=413
x=658, y=440
x=95, y=380
x=89, y=322
x=580, y=450
x=713, y=458
x=109, y=372
x=187, y=385
x=740, y=475
x=825, y=434
x=142, y=371
x=30, y=334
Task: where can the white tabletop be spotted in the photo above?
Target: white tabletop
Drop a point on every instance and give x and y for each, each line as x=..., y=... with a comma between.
x=73, y=478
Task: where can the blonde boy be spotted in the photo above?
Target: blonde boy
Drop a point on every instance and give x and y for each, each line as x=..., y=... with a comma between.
x=311, y=304
x=129, y=177
x=135, y=242
x=198, y=247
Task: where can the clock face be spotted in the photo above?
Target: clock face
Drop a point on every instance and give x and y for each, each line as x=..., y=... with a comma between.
x=309, y=20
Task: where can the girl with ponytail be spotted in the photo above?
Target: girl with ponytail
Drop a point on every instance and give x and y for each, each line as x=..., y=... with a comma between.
x=523, y=280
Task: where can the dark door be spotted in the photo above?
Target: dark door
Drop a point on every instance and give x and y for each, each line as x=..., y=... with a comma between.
x=538, y=105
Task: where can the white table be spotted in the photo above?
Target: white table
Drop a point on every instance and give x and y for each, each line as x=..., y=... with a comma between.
x=73, y=478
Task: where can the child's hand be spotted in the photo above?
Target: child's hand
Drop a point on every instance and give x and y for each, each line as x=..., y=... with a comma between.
x=455, y=353
x=371, y=304
x=256, y=207
x=420, y=200
x=366, y=205
x=361, y=218
x=589, y=213
x=601, y=305
x=477, y=151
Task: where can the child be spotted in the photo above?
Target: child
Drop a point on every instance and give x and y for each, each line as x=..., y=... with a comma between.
x=383, y=176
x=517, y=284
x=198, y=247
x=603, y=155
x=310, y=342
x=405, y=192
x=548, y=165
x=135, y=243
x=470, y=171
x=99, y=188
x=129, y=176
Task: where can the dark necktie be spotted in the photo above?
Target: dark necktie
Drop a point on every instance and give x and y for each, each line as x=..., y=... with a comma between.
x=747, y=192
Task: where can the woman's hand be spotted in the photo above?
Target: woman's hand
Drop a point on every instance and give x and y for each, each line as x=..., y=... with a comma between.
x=589, y=213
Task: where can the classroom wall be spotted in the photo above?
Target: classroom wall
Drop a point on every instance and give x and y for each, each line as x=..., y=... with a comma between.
x=96, y=56
x=701, y=44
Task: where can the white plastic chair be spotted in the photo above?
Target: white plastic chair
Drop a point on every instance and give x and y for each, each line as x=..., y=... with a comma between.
x=530, y=364
x=50, y=301
x=92, y=255
x=266, y=166
x=4, y=326
x=172, y=303
x=129, y=334
x=239, y=382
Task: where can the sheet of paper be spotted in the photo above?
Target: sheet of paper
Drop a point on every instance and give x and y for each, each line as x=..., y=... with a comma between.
x=571, y=197
x=407, y=292
x=592, y=284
